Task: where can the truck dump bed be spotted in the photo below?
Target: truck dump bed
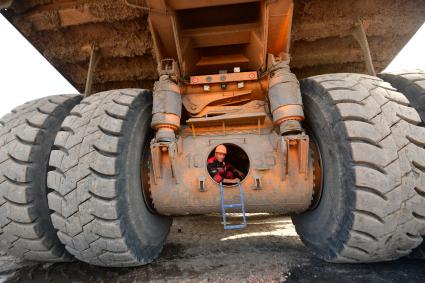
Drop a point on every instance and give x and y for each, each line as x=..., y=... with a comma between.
x=321, y=40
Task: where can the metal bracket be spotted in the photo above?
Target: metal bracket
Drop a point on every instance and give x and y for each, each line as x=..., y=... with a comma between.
x=201, y=182
x=303, y=148
x=156, y=162
x=301, y=142
x=157, y=149
x=257, y=183
x=360, y=35
x=284, y=157
x=168, y=67
x=172, y=153
x=95, y=56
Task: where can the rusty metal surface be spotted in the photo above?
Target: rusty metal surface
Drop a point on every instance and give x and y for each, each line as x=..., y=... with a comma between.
x=275, y=162
x=249, y=113
x=219, y=35
x=223, y=78
x=196, y=97
x=322, y=40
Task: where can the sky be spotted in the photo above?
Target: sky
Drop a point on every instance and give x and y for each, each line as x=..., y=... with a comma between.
x=25, y=74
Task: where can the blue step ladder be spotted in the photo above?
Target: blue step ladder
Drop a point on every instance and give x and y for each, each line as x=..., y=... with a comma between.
x=234, y=205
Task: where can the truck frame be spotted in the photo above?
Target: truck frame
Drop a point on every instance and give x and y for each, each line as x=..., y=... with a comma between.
x=99, y=176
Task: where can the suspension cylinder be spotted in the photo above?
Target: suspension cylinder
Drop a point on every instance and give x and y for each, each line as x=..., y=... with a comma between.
x=167, y=107
x=285, y=98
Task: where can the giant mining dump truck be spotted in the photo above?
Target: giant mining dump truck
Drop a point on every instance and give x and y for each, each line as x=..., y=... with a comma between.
x=99, y=176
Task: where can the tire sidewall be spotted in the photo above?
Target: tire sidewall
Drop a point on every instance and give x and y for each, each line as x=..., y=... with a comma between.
x=146, y=232
x=325, y=228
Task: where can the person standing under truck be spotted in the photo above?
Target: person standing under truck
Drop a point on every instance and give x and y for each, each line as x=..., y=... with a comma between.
x=222, y=171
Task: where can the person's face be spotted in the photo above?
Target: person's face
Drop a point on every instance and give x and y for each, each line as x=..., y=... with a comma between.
x=220, y=156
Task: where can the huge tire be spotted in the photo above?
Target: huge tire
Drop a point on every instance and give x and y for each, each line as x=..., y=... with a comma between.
x=97, y=195
x=365, y=213
x=26, y=138
x=412, y=85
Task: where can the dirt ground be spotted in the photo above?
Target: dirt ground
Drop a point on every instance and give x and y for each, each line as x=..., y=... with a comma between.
x=199, y=250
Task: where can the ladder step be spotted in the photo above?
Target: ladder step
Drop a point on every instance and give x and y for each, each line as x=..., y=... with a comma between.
x=232, y=205
x=233, y=227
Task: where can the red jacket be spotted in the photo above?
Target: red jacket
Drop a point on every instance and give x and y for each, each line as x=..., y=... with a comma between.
x=219, y=170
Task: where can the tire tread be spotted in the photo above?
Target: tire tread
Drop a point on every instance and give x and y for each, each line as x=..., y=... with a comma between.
x=26, y=137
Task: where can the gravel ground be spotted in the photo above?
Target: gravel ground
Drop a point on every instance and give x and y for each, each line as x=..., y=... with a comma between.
x=199, y=250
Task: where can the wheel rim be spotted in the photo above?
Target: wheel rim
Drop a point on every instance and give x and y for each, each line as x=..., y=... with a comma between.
x=145, y=165
x=317, y=171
